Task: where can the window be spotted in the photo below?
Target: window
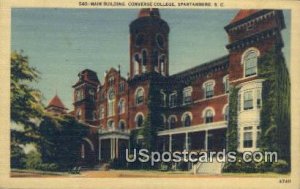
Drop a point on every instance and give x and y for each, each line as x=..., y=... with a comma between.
x=226, y=84
x=248, y=141
x=122, y=87
x=162, y=121
x=209, y=116
x=226, y=113
x=187, y=95
x=101, y=112
x=258, y=100
x=78, y=95
x=121, y=106
x=248, y=100
x=136, y=61
x=209, y=90
x=111, y=102
x=258, y=137
x=111, y=81
x=110, y=124
x=121, y=125
x=139, y=120
x=139, y=96
x=250, y=62
x=78, y=114
x=172, y=122
x=187, y=120
x=92, y=95
x=162, y=99
x=162, y=62
x=155, y=60
x=173, y=100
x=144, y=60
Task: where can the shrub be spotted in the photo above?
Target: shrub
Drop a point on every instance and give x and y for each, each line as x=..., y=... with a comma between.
x=281, y=166
x=48, y=167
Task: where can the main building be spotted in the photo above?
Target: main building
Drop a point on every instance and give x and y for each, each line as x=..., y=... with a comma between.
x=193, y=104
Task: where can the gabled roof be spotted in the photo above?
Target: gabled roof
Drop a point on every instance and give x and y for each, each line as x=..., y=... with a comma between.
x=56, y=102
x=243, y=14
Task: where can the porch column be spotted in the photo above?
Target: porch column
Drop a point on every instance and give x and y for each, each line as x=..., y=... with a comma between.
x=170, y=143
x=99, y=149
x=117, y=147
x=206, y=139
x=186, y=141
x=111, y=148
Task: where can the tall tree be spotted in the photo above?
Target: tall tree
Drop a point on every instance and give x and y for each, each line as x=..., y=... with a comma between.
x=26, y=106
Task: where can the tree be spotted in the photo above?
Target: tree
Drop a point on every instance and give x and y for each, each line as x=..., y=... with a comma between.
x=61, y=139
x=153, y=122
x=26, y=106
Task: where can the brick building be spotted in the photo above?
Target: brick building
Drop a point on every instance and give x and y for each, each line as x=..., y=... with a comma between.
x=193, y=103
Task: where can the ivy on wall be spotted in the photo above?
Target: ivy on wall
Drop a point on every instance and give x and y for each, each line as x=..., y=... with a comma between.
x=232, y=128
x=275, y=113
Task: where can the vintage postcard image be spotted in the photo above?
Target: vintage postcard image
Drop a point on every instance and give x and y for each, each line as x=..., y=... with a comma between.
x=165, y=90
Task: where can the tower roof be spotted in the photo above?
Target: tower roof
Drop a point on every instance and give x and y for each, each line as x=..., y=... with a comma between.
x=56, y=102
x=243, y=14
x=149, y=12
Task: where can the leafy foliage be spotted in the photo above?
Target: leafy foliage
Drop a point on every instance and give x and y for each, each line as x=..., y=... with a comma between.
x=61, y=139
x=153, y=122
x=232, y=135
x=26, y=106
x=275, y=113
x=17, y=157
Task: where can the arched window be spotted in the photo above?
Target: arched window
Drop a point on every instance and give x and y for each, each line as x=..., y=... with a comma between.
x=139, y=96
x=121, y=106
x=139, y=120
x=144, y=60
x=101, y=112
x=209, y=88
x=172, y=122
x=162, y=99
x=162, y=121
x=186, y=120
x=250, y=61
x=136, y=64
x=122, y=125
x=209, y=116
x=78, y=114
x=162, y=62
x=155, y=60
x=110, y=124
x=226, y=83
x=111, y=102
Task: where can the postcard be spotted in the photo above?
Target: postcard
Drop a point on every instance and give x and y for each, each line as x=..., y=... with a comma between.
x=153, y=94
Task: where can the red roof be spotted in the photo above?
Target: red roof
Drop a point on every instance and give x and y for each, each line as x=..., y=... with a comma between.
x=149, y=12
x=56, y=102
x=243, y=14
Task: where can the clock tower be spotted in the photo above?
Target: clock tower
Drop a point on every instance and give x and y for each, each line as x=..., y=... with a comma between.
x=149, y=47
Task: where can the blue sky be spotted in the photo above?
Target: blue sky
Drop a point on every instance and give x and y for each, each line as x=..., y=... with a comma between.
x=62, y=42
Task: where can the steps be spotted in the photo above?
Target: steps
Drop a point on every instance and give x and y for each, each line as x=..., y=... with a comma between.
x=211, y=168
